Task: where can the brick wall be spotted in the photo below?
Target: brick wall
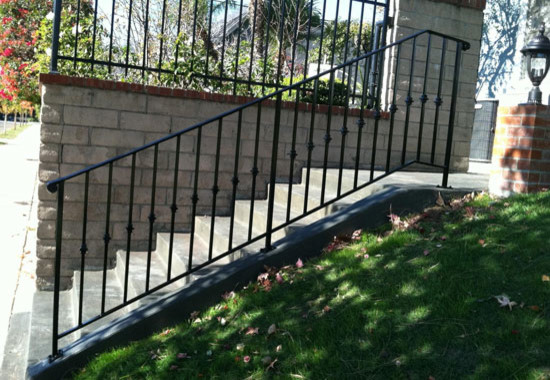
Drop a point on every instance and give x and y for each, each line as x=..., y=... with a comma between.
x=521, y=152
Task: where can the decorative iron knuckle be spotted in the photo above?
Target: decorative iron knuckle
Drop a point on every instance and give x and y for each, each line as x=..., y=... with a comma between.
x=293, y=154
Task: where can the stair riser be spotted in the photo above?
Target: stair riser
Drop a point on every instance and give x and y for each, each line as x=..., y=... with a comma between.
x=179, y=263
x=220, y=241
x=331, y=182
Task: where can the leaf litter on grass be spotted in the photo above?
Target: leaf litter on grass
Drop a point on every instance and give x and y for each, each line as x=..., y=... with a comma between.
x=423, y=223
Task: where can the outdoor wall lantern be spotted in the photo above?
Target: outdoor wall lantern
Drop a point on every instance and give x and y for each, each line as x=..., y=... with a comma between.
x=537, y=53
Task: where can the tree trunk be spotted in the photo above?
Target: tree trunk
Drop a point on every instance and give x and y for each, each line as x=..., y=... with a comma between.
x=15, y=120
x=258, y=21
x=5, y=122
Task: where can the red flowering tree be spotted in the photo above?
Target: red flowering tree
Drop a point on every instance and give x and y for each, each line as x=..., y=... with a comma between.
x=20, y=20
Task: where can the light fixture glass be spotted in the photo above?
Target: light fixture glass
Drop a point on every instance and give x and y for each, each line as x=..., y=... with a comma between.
x=537, y=53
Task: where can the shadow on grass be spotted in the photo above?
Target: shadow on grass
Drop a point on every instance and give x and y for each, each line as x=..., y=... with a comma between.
x=420, y=305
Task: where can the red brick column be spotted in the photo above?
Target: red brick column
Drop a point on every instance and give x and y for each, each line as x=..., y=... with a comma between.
x=521, y=152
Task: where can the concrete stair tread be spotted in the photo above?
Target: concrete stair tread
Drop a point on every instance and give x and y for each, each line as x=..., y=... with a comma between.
x=93, y=289
x=180, y=251
x=260, y=215
x=221, y=232
x=137, y=273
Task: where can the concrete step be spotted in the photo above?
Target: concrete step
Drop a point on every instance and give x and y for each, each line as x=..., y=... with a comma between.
x=314, y=198
x=91, y=305
x=221, y=236
x=242, y=215
x=180, y=251
x=137, y=273
x=331, y=184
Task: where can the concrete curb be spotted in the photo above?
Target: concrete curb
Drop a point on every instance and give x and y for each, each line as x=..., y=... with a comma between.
x=308, y=242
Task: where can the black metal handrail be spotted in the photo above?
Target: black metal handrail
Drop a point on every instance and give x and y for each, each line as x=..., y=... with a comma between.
x=378, y=57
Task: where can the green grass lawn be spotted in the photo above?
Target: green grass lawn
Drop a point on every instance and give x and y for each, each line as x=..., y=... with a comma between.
x=421, y=305
x=12, y=133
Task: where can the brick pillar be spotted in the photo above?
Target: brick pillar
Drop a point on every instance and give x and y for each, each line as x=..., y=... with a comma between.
x=521, y=152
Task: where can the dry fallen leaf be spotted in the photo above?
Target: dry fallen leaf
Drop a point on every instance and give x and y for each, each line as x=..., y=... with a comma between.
x=228, y=295
x=194, y=315
x=534, y=308
x=252, y=331
x=279, y=278
x=271, y=365
x=440, y=202
x=545, y=278
x=240, y=347
x=279, y=348
x=504, y=301
x=166, y=332
x=326, y=309
x=272, y=329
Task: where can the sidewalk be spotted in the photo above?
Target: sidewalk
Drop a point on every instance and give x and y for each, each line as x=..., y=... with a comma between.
x=18, y=173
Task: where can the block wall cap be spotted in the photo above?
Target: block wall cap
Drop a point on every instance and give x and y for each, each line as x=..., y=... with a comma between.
x=66, y=80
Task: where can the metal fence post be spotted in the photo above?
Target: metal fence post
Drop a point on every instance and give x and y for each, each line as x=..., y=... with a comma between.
x=459, y=47
x=55, y=37
x=56, y=287
x=273, y=174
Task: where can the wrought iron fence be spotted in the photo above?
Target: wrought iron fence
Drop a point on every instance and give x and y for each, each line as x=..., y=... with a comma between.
x=243, y=47
x=421, y=65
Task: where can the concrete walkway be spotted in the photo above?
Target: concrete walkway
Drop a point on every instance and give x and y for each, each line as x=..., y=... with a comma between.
x=18, y=193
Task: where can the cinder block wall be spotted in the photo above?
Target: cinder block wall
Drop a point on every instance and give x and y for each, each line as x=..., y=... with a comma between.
x=462, y=19
x=86, y=121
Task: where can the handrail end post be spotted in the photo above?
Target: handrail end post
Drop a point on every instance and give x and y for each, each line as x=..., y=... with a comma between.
x=55, y=36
